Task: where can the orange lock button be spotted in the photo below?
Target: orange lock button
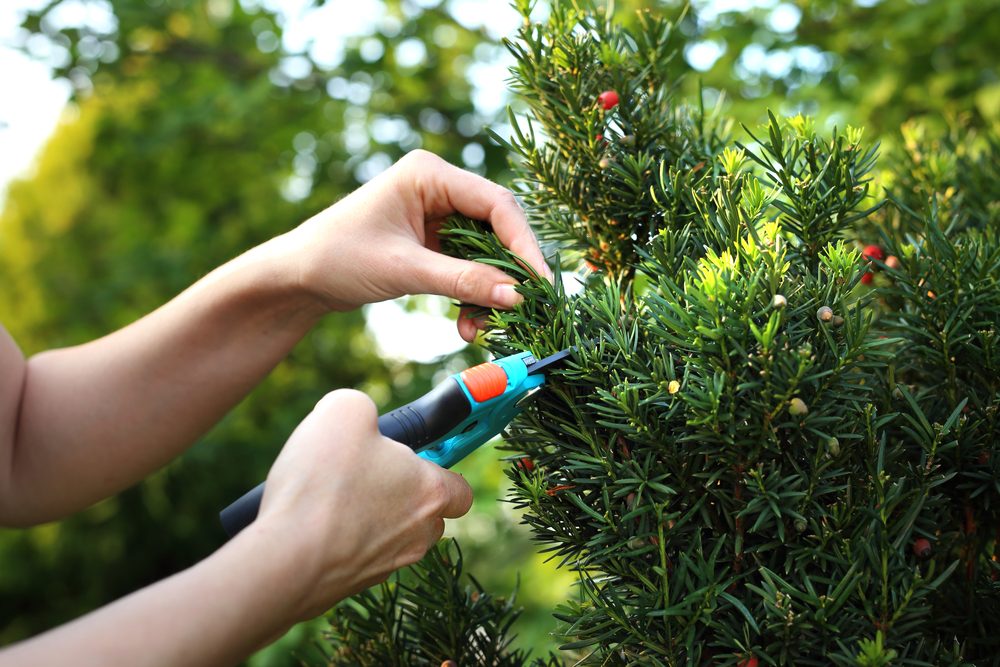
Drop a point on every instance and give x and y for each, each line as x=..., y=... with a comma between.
x=485, y=381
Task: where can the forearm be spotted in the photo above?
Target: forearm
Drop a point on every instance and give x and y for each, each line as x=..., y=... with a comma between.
x=215, y=613
x=98, y=417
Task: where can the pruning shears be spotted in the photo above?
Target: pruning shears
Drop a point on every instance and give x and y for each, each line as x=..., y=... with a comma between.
x=447, y=423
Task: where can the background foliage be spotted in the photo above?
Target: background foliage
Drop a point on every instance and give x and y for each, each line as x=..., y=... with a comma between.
x=875, y=63
x=195, y=134
x=183, y=151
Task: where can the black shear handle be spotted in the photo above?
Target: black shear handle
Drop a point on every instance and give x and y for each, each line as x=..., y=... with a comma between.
x=415, y=424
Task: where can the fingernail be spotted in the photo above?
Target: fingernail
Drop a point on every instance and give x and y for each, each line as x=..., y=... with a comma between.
x=505, y=296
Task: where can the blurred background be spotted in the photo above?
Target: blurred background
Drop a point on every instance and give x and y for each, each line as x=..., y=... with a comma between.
x=144, y=142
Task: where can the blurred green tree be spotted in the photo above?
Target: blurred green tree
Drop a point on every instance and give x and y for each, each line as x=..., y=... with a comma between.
x=193, y=136
x=876, y=63
x=198, y=133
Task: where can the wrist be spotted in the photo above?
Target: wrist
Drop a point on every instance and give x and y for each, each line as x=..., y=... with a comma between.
x=274, y=567
x=312, y=244
x=280, y=269
x=291, y=565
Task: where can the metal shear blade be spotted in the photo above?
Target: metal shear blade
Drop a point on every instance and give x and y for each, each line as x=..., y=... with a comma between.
x=521, y=402
x=538, y=366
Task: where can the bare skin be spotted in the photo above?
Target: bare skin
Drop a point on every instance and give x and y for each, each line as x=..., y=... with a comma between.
x=80, y=424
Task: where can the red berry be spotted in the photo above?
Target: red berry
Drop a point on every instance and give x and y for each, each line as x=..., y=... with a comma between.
x=983, y=458
x=873, y=252
x=867, y=278
x=922, y=547
x=526, y=464
x=748, y=662
x=892, y=262
x=608, y=99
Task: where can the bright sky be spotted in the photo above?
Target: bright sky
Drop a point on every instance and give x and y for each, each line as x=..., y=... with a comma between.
x=31, y=104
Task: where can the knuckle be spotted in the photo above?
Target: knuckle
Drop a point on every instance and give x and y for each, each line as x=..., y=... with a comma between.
x=466, y=497
x=506, y=198
x=396, y=256
x=466, y=284
x=399, y=265
x=419, y=158
x=350, y=401
x=436, y=532
x=436, y=493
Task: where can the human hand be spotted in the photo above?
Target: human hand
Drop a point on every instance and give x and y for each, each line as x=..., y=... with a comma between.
x=380, y=242
x=354, y=505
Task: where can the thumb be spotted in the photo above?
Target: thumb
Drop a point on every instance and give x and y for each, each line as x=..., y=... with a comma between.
x=469, y=282
x=456, y=498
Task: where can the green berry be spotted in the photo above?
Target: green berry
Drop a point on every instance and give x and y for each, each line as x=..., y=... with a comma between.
x=833, y=447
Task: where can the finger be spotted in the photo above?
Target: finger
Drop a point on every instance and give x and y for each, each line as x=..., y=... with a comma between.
x=468, y=282
x=468, y=326
x=436, y=532
x=457, y=495
x=466, y=329
x=445, y=189
x=347, y=406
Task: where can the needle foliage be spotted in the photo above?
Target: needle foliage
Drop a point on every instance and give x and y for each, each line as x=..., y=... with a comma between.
x=428, y=615
x=753, y=455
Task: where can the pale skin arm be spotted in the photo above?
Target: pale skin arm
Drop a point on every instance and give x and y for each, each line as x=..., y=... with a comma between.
x=319, y=538
x=340, y=513
x=82, y=423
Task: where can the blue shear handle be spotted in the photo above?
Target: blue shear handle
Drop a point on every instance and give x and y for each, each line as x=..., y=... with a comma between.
x=416, y=424
x=423, y=421
x=449, y=408
x=488, y=417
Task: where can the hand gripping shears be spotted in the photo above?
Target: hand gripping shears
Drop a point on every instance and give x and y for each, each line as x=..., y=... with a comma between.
x=447, y=423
